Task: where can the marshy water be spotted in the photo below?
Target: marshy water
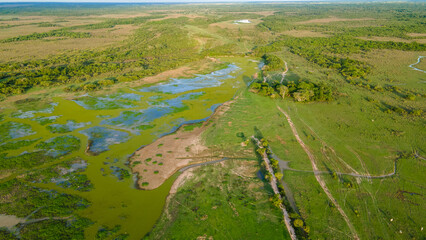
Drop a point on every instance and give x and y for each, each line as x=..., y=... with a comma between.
x=103, y=131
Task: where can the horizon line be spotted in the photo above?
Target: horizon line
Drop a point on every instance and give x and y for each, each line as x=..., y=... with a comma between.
x=198, y=1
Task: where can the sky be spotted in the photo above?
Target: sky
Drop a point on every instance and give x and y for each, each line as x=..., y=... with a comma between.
x=161, y=1
x=196, y=1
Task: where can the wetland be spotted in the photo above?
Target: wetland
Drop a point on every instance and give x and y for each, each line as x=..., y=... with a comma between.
x=104, y=130
x=138, y=121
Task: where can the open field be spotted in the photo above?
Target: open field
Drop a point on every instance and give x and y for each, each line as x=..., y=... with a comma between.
x=391, y=39
x=104, y=106
x=304, y=33
x=333, y=19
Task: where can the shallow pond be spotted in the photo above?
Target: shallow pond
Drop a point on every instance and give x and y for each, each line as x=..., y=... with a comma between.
x=12, y=130
x=70, y=126
x=106, y=130
x=101, y=138
x=177, y=85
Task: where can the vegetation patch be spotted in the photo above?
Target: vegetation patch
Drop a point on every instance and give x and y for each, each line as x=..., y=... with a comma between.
x=302, y=91
x=24, y=160
x=68, y=174
x=100, y=138
x=24, y=200
x=70, y=126
x=99, y=103
x=12, y=130
x=59, y=146
x=224, y=194
x=13, y=145
x=46, y=120
x=105, y=232
x=67, y=228
x=120, y=173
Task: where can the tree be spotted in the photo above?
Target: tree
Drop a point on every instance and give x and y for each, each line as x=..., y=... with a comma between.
x=261, y=151
x=282, y=90
x=89, y=87
x=265, y=142
x=278, y=175
x=303, y=95
x=272, y=62
x=274, y=163
x=276, y=201
x=298, y=223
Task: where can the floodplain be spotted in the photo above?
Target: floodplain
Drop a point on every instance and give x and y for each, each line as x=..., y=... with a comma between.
x=134, y=121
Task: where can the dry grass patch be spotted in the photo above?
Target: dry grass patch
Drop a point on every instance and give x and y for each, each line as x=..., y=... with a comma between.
x=334, y=19
x=263, y=13
x=101, y=38
x=421, y=41
x=112, y=16
x=304, y=33
x=43, y=48
x=23, y=30
x=176, y=15
x=416, y=35
x=232, y=26
x=118, y=32
x=393, y=39
x=61, y=21
x=28, y=19
x=246, y=169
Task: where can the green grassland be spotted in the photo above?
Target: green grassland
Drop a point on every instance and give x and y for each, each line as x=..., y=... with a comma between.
x=222, y=204
x=371, y=121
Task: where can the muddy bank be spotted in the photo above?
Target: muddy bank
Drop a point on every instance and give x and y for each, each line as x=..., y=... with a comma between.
x=158, y=161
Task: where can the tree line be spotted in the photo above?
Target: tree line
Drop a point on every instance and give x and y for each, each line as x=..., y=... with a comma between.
x=154, y=47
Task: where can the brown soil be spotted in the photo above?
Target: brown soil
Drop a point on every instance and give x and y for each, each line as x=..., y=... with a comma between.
x=164, y=157
x=416, y=34
x=304, y=33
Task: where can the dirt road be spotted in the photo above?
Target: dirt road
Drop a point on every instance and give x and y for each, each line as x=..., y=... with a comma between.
x=273, y=183
x=317, y=175
x=284, y=73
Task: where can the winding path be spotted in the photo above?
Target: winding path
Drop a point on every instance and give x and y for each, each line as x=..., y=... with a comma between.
x=284, y=73
x=285, y=166
x=418, y=61
x=318, y=176
x=202, y=164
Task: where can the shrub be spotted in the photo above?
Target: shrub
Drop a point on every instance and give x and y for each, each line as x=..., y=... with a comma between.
x=278, y=175
x=273, y=62
x=298, y=223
